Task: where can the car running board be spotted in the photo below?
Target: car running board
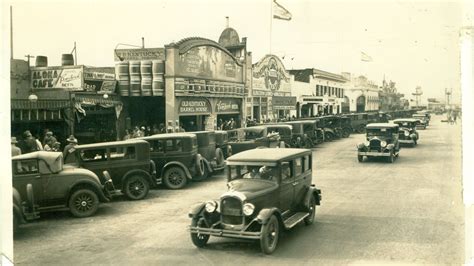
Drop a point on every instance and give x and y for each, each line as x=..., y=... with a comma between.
x=295, y=219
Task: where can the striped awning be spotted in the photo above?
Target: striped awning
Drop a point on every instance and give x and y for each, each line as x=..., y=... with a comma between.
x=23, y=104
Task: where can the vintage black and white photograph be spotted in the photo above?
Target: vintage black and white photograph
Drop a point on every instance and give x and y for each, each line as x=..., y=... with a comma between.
x=226, y=132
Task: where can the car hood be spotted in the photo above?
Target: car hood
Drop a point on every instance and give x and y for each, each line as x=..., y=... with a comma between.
x=70, y=169
x=251, y=188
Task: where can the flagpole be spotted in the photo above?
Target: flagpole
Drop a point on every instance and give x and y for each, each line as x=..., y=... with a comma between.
x=271, y=22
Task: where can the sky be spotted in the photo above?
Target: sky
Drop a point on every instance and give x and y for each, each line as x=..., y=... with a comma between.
x=413, y=43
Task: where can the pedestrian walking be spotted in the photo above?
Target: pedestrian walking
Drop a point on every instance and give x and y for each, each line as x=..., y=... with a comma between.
x=72, y=142
x=15, y=150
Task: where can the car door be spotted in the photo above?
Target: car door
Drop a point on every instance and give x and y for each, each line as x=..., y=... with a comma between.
x=27, y=172
x=286, y=186
x=121, y=159
x=300, y=180
x=157, y=153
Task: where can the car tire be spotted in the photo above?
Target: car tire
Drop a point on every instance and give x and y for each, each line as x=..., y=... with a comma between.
x=205, y=175
x=219, y=156
x=329, y=137
x=346, y=133
x=269, y=235
x=83, y=203
x=136, y=187
x=360, y=158
x=197, y=239
x=312, y=211
x=175, y=178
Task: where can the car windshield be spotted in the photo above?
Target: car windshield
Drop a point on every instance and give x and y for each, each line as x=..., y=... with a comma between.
x=404, y=124
x=262, y=172
x=253, y=134
x=379, y=132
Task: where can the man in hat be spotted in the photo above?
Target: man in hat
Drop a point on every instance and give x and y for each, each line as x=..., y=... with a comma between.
x=30, y=144
x=15, y=150
x=49, y=139
x=72, y=142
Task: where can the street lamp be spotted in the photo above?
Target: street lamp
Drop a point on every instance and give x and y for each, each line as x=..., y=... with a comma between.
x=33, y=97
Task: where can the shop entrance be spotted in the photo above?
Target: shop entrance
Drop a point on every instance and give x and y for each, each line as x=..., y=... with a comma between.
x=99, y=125
x=228, y=121
x=256, y=113
x=192, y=123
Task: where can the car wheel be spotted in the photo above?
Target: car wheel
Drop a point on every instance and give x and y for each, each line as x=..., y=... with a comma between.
x=205, y=174
x=136, y=187
x=198, y=240
x=219, y=156
x=346, y=133
x=329, y=137
x=83, y=202
x=360, y=158
x=175, y=178
x=199, y=164
x=312, y=212
x=269, y=235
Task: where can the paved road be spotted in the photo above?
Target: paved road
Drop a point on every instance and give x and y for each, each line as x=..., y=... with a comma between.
x=372, y=212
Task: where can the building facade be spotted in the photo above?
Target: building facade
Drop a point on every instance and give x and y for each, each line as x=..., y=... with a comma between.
x=323, y=95
x=361, y=95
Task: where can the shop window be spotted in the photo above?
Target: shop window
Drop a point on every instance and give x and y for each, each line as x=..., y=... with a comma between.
x=93, y=155
x=325, y=90
x=174, y=145
x=25, y=167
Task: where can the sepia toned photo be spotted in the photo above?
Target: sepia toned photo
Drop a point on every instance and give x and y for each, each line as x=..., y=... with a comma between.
x=266, y=132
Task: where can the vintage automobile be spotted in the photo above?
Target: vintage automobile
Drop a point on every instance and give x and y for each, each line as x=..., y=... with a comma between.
x=382, y=141
x=56, y=186
x=128, y=163
x=268, y=190
x=306, y=133
x=423, y=120
x=332, y=127
x=176, y=158
x=23, y=210
x=345, y=124
x=285, y=132
x=222, y=139
x=212, y=155
x=254, y=137
x=358, y=121
x=407, y=131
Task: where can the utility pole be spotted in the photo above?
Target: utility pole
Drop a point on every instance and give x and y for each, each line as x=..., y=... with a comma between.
x=29, y=56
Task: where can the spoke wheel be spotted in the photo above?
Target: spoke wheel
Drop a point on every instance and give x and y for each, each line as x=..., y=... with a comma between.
x=175, y=178
x=199, y=240
x=136, y=187
x=83, y=202
x=269, y=235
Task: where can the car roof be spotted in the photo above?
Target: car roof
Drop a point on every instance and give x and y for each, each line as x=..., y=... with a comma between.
x=381, y=125
x=405, y=120
x=279, y=125
x=45, y=155
x=301, y=122
x=417, y=114
x=111, y=143
x=265, y=155
x=170, y=135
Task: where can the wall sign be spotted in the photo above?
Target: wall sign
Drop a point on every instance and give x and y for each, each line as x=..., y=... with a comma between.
x=269, y=73
x=139, y=54
x=57, y=77
x=284, y=103
x=228, y=106
x=194, y=106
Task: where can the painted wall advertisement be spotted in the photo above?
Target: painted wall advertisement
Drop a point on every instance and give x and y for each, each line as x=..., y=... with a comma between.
x=57, y=77
x=270, y=74
x=209, y=62
x=139, y=54
x=194, y=106
x=228, y=106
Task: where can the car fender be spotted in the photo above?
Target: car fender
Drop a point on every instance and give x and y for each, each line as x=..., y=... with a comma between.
x=360, y=146
x=312, y=192
x=265, y=214
x=207, y=164
x=89, y=184
x=179, y=164
x=390, y=146
x=196, y=209
x=414, y=136
x=139, y=172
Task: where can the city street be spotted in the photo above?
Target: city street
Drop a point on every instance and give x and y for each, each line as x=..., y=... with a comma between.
x=410, y=211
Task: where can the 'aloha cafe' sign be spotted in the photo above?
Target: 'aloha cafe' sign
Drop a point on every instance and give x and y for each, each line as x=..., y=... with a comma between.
x=57, y=77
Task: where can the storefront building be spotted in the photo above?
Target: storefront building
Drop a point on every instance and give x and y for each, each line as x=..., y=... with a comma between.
x=325, y=94
x=362, y=94
x=204, y=83
x=270, y=97
x=68, y=100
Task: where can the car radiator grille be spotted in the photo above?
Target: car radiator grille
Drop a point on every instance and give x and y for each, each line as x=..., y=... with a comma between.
x=231, y=210
x=375, y=145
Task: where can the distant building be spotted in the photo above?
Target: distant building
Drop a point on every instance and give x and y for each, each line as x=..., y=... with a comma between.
x=318, y=92
x=361, y=95
x=390, y=99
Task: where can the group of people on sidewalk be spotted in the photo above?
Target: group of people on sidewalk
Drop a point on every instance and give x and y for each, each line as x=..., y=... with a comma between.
x=31, y=144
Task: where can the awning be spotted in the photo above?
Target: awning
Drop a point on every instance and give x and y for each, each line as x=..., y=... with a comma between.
x=97, y=99
x=23, y=104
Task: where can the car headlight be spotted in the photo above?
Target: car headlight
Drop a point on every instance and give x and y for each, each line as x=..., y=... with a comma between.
x=383, y=143
x=406, y=133
x=248, y=209
x=211, y=206
x=367, y=143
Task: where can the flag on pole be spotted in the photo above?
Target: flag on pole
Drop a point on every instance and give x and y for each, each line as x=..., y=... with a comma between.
x=279, y=12
x=364, y=57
